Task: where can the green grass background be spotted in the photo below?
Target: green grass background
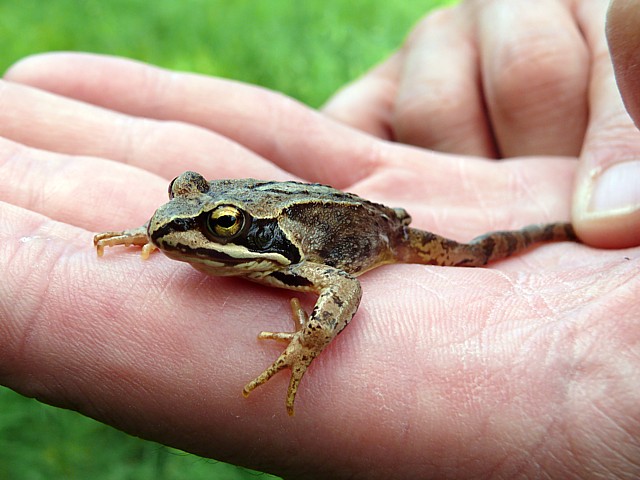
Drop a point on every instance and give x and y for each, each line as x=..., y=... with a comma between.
x=306, y=49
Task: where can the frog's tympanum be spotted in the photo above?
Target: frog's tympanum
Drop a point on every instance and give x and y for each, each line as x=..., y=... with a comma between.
x=307, y=238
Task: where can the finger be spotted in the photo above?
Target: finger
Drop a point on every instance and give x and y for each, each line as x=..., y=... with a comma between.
x=294, y=137
x=606, y=208
x=535, y=68
x=623, y=37
x=67, y=189
x=96, y=336
x=100, y=340
x=439, y=104
x=52, y=122
x=367, y=103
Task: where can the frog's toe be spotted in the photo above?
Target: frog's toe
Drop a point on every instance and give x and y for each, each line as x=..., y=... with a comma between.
x=264, y=376
x=280, y=336
x=295, y=357
x=297, y=372
x=134, y=236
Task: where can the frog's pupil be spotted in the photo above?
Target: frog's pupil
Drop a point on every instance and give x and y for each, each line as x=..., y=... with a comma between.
x=227, y=221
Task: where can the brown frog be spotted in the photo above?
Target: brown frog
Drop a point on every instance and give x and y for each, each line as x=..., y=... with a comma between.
x=307, y=238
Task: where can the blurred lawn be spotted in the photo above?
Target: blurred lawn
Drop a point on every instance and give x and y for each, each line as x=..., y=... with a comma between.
x=306, y=49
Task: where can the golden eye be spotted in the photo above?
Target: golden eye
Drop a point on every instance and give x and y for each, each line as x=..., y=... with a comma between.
x=225, y=222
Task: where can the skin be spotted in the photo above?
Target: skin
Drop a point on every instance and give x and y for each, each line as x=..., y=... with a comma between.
x=529, y=368
x=302, y=237
x=624, y=42
x=529, y=102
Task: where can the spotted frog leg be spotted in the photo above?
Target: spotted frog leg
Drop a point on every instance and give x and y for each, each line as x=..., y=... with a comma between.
x=339, y=297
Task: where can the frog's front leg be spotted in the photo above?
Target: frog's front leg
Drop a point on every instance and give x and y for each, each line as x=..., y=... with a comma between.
x=338, y=300
x=133, y=236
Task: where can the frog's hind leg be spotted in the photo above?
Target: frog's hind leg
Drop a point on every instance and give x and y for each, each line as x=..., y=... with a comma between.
x=502, y=244
x=428, y=248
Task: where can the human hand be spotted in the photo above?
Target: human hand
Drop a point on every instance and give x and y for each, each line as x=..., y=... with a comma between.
x=530, y=366
x=506, y=79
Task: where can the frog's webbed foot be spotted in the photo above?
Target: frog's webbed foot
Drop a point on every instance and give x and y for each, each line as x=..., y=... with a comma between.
x=296, y=356
x=134, y=236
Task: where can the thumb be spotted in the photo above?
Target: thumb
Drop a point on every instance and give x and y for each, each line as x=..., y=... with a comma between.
x=623, y=35
x=606, y=207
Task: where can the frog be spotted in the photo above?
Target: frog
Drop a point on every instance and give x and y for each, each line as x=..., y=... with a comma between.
x=304, y=237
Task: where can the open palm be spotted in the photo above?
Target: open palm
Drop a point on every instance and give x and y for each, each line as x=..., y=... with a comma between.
x=526, y=366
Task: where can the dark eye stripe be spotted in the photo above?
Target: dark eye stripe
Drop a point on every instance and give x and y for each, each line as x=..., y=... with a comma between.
x=262, y=236
x=175, y=225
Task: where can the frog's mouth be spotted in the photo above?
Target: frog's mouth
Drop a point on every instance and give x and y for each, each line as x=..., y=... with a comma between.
x=262, y=247
x=217, y=259
x=188, y=253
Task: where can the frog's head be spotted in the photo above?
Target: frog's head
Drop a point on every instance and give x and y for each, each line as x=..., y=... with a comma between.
x=217, y=232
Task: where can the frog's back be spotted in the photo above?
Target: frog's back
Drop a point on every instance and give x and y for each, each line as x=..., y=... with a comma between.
x=329, y=226
x=343, y=230
x=258, y=195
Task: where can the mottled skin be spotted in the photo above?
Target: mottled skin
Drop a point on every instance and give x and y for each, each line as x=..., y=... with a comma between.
x=308, y=238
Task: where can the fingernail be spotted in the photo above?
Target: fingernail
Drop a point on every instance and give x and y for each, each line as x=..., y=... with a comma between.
x=616, y=189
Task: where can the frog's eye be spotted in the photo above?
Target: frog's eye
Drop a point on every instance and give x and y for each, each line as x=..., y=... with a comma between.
x=225, y=222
